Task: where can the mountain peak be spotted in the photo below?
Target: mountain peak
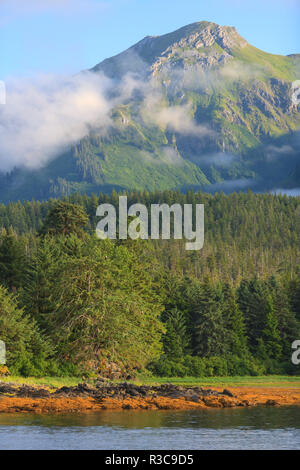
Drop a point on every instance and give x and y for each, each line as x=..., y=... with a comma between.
x=195, y=40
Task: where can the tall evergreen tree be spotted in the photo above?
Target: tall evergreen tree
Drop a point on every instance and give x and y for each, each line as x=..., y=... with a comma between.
x=27, y=349
x=210, y=328
x=254, y=302
x=235, y=324
x=271, y=334
x=176, y=340
x=65, y=218
x=40, y=276
x=12, y=260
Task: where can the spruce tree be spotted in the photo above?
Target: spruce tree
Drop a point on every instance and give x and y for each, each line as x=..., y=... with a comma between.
x=65, y=218
x=176, y=340
x=12, y=260
x=210, y=328
x=271, y=334
x=235, y=324
x=27, y=350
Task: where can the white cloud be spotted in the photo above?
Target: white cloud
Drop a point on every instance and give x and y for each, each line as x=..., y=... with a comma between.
x=220, y=159
x=274, y=153
x=167, y=155
x=178, y=118
x=231, y=185
x=45, y=116
x=288, y=192
x=171, y=156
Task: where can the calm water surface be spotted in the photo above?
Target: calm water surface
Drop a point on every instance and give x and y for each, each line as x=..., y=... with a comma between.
x=256, y=428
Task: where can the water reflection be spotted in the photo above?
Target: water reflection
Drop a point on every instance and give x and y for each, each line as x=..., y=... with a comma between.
x=261, y=428
x=259, y=418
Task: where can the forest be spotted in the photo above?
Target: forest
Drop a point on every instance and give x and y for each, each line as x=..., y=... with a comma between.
x=74, y=305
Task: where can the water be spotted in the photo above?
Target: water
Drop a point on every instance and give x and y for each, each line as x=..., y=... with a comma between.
x=253, y=428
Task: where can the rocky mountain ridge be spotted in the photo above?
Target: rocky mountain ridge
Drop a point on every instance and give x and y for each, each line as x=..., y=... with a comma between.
x=206, y=110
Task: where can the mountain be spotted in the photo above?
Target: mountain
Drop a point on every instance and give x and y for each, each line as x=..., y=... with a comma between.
x=196, y=108
x=199, y=43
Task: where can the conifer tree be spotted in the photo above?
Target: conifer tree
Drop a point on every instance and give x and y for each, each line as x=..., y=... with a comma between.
x=39, y=279
x=27, y=349
x=12, y=260
x=210, y=328
x=65, y=218
x=254, y=302
x=176, y=340
x=270, y=334
x=235, y=324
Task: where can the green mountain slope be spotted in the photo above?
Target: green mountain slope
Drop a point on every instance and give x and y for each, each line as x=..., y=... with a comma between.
x=207, y=109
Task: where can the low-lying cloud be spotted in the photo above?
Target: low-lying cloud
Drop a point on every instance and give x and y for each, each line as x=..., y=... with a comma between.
x=288, y=192
x=47, y=115
x=230, y=185
x=276, y=152
x=178, y=119
x=167, y=155
x=219, y=159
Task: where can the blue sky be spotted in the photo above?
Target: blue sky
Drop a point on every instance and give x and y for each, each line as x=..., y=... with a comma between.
x=65, y=36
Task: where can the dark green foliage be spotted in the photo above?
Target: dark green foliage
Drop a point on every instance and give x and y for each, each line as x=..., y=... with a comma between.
x=250, y=121
x=28, y=351
x=70, y=302
x=105, y=305
x=245, y=234
x=209, y=322
x=36, y=294
x=12, y=260
x=65, y=218
x=256, y=305
x=237, y=341
x=176, y=340
x=295, y=295
x=194, y=366
x=271, y=334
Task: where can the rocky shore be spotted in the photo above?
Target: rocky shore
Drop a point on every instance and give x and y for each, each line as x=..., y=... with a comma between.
x=125, y=396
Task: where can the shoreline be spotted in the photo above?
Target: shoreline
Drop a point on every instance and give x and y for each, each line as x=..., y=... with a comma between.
x=16, y=398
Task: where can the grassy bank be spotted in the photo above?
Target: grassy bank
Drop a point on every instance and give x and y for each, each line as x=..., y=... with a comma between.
x=266, y=381
x=43, y=381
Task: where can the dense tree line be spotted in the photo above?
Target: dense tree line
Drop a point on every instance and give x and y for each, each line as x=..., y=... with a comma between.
x=245, y=234
x=72, y=304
